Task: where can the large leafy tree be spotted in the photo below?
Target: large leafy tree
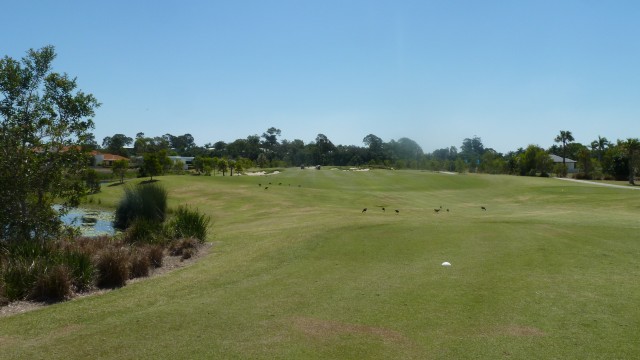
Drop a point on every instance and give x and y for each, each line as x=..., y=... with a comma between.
x=116, y=144
x=153, y=164
x=472, y=150
x=323, y=149
x=375, y=146
x=564, y=137
x=44, y=125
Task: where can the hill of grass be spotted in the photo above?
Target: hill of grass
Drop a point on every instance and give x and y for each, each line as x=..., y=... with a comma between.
x=298, y=271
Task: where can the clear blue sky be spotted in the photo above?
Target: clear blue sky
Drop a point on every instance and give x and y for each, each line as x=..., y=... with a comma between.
x=511, y=72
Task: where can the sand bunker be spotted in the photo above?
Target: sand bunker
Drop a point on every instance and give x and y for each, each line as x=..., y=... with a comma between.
x=260, y=173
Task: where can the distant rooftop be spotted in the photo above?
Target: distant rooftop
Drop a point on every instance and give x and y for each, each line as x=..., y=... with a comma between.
x=558, y=159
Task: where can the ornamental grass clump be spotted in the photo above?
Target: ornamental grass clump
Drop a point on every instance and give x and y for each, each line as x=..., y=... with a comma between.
x=188, y=223
x=144, y=201
x=139, y=263
x=83, y=271
x=18, y=278
x=156, y=255
x=113, y=267
x=53, y=283
x=144, y=231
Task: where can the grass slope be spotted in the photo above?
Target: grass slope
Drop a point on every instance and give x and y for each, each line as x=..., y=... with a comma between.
x=550, y=270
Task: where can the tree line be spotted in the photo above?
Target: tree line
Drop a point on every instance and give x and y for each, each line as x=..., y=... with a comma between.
x=599, y=159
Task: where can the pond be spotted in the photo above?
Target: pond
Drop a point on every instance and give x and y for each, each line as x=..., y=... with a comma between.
x=90, y=222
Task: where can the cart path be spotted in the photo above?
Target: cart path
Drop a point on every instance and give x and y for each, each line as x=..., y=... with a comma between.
x=602, y=184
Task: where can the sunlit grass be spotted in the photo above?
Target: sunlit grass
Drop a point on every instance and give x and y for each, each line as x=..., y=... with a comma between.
x=549, y=270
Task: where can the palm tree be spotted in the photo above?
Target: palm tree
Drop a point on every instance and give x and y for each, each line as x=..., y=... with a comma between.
x=600, y=145
x=564, y=138
x=632, y=147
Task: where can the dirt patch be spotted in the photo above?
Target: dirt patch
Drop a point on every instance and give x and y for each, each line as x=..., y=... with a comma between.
x=6, y=340
x=325, y=329
x=169, y=263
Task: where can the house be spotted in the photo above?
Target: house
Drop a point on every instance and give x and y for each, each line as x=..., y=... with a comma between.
x=105, y=159
x=571, y=164
x=187, y=161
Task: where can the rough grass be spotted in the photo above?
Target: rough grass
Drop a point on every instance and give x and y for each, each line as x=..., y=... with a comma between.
x=548, y=271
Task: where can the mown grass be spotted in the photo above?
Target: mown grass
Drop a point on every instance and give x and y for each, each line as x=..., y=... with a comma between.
x=548, y=271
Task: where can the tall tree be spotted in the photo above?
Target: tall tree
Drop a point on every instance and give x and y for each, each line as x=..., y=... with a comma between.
x=44, y=123
x=323, y=149
x=223, y=166
x=472, y=150
x=565, y=137
x=375, y=145
x=116, y=144
x=600, y=145
x=153, y=164
x=632, y=148
x=271, y=137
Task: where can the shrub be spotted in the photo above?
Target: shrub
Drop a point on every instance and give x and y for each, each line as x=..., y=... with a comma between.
x=53, y=283
x=146, y=201
x=140, y=263
x=156, y=255
x=187, y=253
x=144, y=231
x=18, y=278
x=183, y=247
x=113, y=267
x=82, y=269
x=187, y=223
x=3, y=295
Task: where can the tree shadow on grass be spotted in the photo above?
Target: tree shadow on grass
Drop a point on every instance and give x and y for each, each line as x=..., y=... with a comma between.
x=115, y=184
x=147, y=182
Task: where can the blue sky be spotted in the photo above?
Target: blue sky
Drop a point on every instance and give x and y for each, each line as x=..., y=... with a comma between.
x=511, y=72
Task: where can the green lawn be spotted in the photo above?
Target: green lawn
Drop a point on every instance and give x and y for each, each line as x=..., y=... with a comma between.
x=297, y=271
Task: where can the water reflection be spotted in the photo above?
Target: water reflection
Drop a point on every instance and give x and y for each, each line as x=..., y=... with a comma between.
x=90, y=222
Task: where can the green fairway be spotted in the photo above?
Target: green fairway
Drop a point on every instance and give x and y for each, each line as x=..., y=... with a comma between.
x=297, y=271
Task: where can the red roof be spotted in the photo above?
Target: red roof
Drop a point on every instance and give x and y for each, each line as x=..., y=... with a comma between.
x=109, y=157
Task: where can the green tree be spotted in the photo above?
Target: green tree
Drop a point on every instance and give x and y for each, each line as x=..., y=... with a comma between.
x=376, y=148
x=92, y=181
x=585, y=164
x=119, y=168
x=270, y=144
x=324, y=148
x=632, y=148
x=44, y=123
x=600, y=145
x=535, y=160
x=116, y=144
x=178, y=167
x=565, y=137
x=153, y=164
x=471, y=151
x=223, y=166
x=203, y=165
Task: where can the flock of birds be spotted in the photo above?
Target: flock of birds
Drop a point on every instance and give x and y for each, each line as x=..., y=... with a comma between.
x=436, y=210
x=383, y=209
x=267, y=187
